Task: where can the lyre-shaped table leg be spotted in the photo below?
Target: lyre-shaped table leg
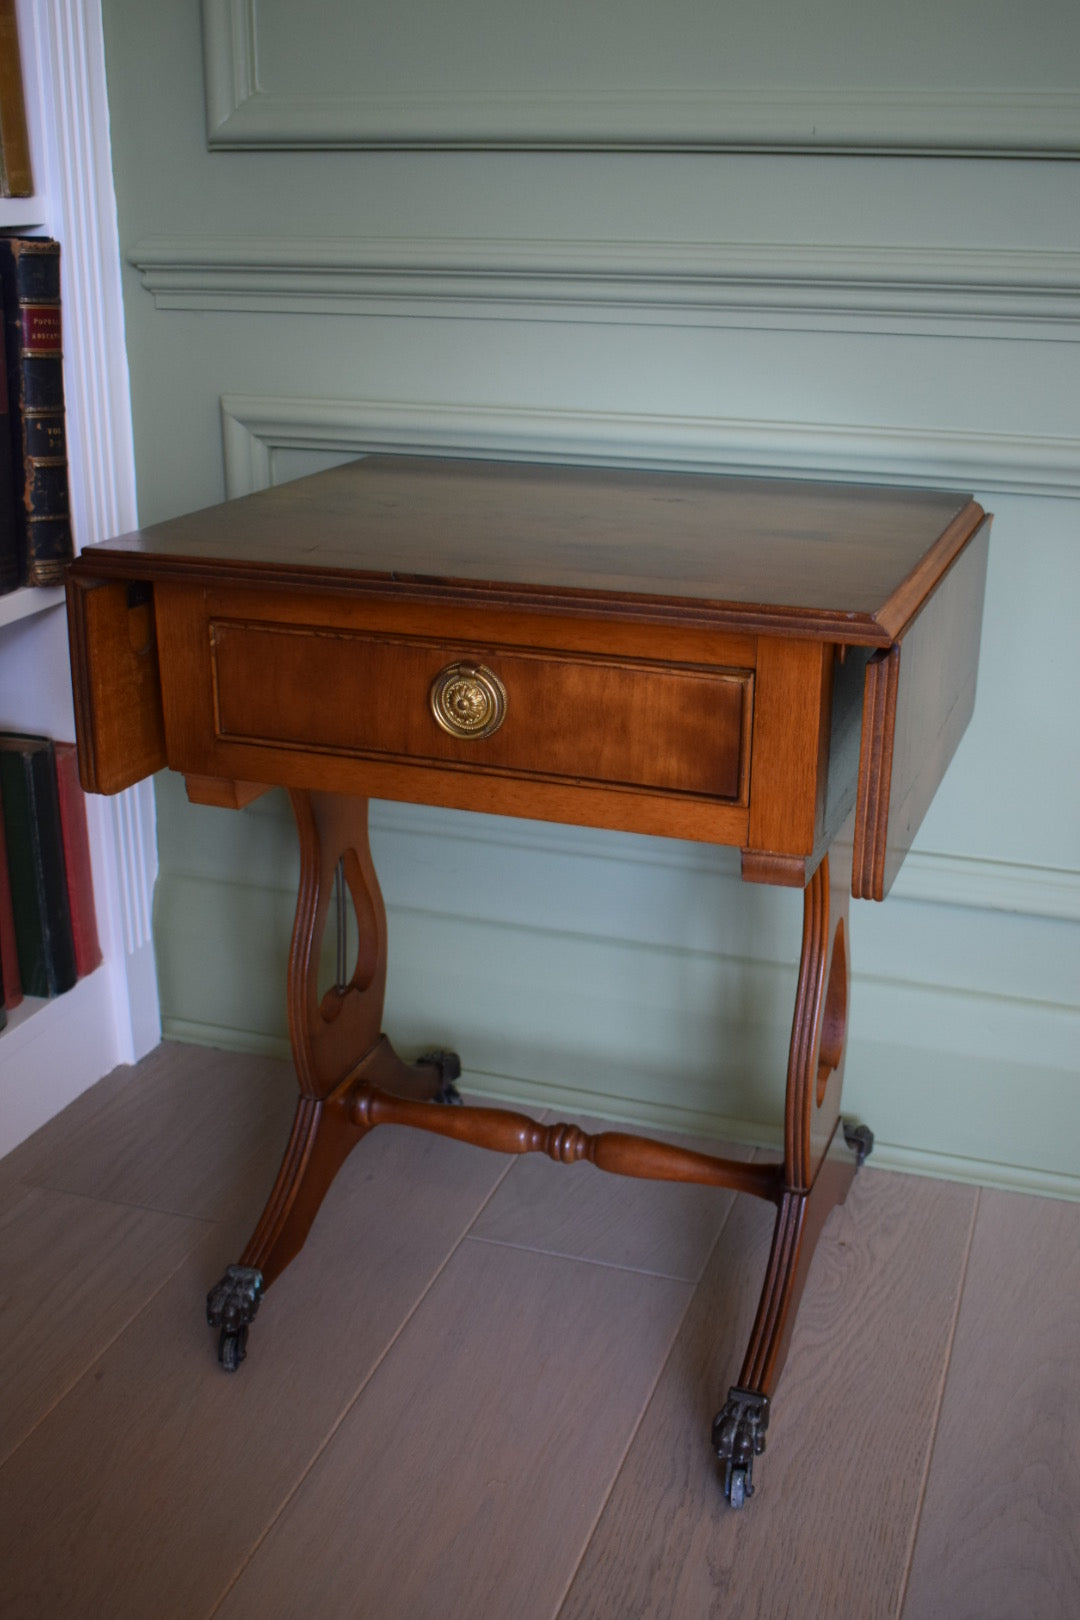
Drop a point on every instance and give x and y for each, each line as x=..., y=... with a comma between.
x=821, y=1155
x=351, y=1080
x=336, y=1043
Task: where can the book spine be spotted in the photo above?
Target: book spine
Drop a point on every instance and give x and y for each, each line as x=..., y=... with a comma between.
x=15, y=178
x=9, y=950
x=46, y=950
x=76, y=840
x=30, y=277
x=9, y=533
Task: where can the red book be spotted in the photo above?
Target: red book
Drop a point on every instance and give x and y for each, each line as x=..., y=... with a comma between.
x=76, y=840
x=9, y=949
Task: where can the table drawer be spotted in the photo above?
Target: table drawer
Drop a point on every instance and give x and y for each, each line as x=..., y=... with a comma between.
x=680, y=728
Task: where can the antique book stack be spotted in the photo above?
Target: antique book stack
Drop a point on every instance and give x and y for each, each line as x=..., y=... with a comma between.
x=48, y=928
x=35, y=509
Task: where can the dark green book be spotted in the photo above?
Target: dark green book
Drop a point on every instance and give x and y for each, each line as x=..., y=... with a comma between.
x=35, y=855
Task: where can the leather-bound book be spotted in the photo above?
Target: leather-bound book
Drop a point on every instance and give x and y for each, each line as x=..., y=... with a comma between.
x=30, y=279
x=76, y=840
x=15, y=178
x=9, y=534
x=9, y=951
x=35, y=854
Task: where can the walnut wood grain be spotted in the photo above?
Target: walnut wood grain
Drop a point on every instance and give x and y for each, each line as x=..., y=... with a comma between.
x=506, y=1131
x=818, y=1044
x=116, y=684
x=792, y=697
x=335, y=1036
x=222, y=792
x=818, y=1166
x=670, y=572
x=315, y=737
x=676, y=727
x=919, y=696
x=331, y=1034
x=799, y=1222
x=844, y=562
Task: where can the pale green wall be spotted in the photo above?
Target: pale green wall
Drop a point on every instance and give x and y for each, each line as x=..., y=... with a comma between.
x=890, y=316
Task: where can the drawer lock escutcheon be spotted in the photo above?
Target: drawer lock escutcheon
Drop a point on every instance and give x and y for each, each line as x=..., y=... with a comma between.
x=468, y=700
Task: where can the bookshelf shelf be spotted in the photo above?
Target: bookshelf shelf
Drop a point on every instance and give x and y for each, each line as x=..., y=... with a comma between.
x=29, y=601
x=22, y=213
x=16, y=1032
x=53, y=1050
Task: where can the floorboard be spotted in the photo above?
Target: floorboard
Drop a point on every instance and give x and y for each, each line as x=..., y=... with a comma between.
x=585, y=1213
x=158, y=1473
x=849, y=1436
x=1000, y=1529
x=486, y=1386
x=191, y=1131
x=73, y=1272
x=485, y=1444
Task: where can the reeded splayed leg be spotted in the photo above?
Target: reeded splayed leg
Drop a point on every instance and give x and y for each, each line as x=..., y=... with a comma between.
x=336, y=1042
x=820, y=1160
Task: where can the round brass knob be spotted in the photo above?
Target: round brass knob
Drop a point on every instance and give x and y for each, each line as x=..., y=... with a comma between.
x=468, y=700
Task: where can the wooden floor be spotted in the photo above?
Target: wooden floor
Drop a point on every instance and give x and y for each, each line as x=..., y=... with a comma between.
x=485, y=1389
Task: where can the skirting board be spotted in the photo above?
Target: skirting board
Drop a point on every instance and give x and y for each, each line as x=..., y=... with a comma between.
x=54, y=1051
x=499, y=1088
x=638, y=1025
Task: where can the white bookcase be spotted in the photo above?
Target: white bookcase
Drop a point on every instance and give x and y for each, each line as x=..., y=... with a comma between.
x=53, y=1050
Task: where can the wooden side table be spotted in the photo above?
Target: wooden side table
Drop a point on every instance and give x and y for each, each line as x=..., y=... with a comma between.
x=783, y=667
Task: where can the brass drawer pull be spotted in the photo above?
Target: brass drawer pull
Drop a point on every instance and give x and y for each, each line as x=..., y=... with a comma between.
x=468, y=700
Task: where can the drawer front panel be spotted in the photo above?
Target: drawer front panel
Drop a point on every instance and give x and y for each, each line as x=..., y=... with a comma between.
x=618, y=722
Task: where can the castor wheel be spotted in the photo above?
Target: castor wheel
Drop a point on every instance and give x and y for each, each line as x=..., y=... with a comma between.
x=860, y=1139
x=738, y=1436
x=231, y=1305
x=232, y=1348
x=449, y=1067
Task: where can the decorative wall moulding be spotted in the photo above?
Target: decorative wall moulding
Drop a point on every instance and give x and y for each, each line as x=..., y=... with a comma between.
x=927, y=877
x=1000, y=292
x=685, y=77
x=255, y=426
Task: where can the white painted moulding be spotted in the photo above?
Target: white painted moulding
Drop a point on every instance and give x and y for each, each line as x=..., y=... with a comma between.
x=1027, y=292
x=740, y=115
x=926, y=876
x=254, y=426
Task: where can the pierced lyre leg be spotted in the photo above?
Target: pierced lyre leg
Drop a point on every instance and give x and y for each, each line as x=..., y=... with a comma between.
x=336, y=1043
x=820, y=1160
